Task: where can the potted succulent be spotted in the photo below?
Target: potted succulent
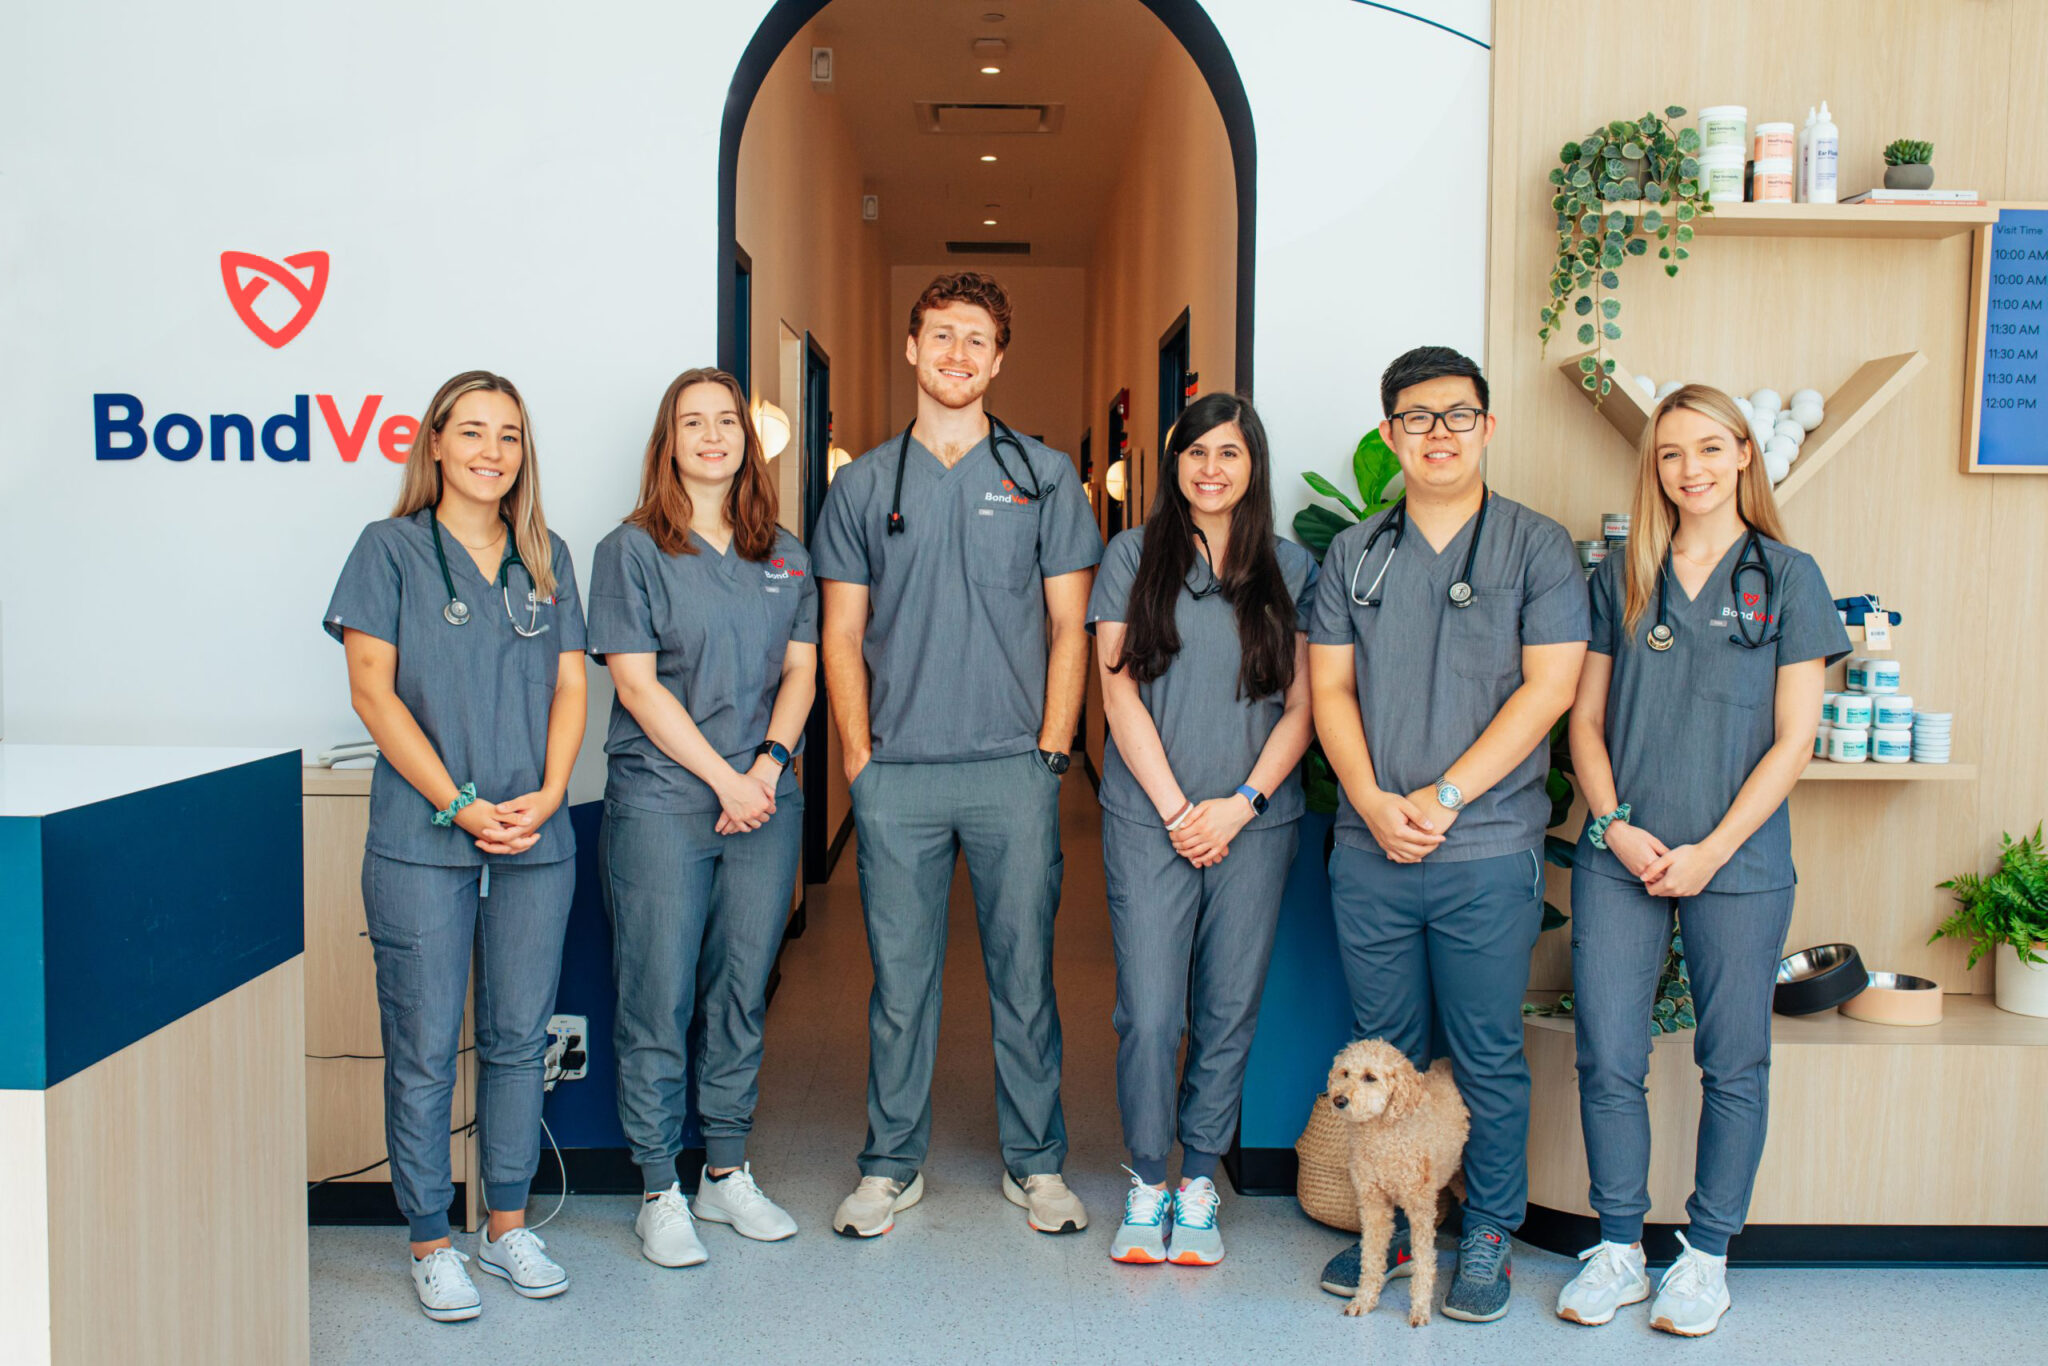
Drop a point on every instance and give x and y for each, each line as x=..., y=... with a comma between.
x=2007, y=914
x=1909, y=165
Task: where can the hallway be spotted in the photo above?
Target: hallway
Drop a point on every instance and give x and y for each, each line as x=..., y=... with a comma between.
x=962, y=1278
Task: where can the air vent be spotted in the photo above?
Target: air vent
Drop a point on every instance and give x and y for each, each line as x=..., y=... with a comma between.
x=985, y=120
x=988, y=248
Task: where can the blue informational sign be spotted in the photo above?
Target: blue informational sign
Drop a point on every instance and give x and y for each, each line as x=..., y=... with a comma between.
x=2013, y=430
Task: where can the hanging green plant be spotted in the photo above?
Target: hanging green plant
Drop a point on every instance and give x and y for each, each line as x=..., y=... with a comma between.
x=1616, y=188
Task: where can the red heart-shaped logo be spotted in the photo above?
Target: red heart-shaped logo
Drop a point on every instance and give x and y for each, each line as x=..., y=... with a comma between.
x=1749, y=599
x=776, y=563
x=1008, y=485
x=243, y=289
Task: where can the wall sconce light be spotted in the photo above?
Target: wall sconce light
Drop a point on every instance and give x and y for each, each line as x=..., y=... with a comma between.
x=773, y=426
x=1113, y=480
x=835, y=459
x=989, y=54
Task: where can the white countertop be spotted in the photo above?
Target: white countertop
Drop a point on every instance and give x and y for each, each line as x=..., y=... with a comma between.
x=37, y=780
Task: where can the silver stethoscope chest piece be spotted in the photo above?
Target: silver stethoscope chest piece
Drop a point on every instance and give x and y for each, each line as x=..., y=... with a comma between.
x=1660, y=637
x=1461, y=594
x=457, y=611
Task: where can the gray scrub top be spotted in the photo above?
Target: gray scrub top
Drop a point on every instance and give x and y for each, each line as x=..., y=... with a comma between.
x=1431, y=677
x=956, y=643
x=1686, y=726
x=480, y=691
x=1212, y=736
x=718, y=627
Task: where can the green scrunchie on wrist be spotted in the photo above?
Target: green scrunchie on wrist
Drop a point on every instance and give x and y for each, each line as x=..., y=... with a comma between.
x=1596, y=829
x=463, y=798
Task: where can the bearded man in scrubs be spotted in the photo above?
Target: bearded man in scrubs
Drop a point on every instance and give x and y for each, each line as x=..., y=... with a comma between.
x=1441, y=653
x=956, y=560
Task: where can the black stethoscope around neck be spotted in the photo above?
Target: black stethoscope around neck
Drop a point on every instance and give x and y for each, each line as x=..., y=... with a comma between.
x=1660, y=637
x=998, y=433
x=456, y=613
x=1460, y=591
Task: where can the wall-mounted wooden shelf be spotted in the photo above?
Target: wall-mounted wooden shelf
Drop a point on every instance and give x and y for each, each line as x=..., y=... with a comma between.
x=1833, y=220
x=1972, y=1021
x=1848, y=409
x=1821, y=770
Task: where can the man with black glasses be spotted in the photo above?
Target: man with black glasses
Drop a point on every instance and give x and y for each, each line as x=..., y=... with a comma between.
x=1446, y=642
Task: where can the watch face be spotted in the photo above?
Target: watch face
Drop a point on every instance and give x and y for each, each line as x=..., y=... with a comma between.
x=1055, y=763
x=1449, y=797
x=1259, y=805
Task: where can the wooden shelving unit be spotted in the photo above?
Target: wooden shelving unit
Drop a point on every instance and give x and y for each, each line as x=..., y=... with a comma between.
x=1823, y=771
x=1849, y=408
x=1966, y=1020
x=1889, y=221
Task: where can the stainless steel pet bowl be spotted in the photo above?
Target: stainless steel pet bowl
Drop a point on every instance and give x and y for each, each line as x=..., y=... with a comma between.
x=1817, y=979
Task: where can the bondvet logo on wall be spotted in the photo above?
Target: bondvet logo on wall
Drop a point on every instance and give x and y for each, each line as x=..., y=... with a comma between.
x=275, y=300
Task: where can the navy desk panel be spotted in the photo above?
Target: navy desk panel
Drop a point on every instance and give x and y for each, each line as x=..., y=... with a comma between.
x=142, y=924
x=585, y=1114
x=21, y=953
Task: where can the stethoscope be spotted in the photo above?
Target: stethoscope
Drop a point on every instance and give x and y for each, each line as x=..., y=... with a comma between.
x=457, y=611
x=998, y=433
x=1206, y=559
x=1460, y=591
x=1660, y=638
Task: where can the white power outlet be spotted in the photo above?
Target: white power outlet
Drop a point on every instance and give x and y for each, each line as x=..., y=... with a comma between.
x=568, y=1052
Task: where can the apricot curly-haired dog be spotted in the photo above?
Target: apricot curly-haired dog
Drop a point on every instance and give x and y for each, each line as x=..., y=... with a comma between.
x=1407, y=1142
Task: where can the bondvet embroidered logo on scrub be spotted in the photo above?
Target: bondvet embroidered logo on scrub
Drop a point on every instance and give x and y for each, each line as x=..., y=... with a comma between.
x=1755, y=618
x=1008, y=495
x=776, y=570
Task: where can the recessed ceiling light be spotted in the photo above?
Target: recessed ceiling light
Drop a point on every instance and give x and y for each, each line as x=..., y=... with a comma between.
x=993, y=17
x=991, y=71
x=988, y=156
x=988, y=222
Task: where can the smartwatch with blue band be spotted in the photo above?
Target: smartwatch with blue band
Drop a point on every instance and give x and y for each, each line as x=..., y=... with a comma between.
x=1255, y=797
x=778, y=752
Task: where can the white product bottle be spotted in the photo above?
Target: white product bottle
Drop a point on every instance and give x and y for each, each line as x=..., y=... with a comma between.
x=1822, y=182
x=1805, y=152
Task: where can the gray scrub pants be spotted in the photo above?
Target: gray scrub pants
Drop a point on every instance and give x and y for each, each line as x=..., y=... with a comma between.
x=1442, y=950
x=1192, y=946
x=912, y=821
x=697, y=919
x=425, y=923
x=1733, y=942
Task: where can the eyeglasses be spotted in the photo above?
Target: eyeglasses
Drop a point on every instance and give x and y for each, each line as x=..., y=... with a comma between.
x=1422, y=421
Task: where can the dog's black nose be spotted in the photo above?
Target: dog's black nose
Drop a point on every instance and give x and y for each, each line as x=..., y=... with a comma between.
x=1339, y=1102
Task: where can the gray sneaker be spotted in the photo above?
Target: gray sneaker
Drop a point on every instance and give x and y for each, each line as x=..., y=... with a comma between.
x=1479, y=1292
x=870, y=1211
x=1340, y=1273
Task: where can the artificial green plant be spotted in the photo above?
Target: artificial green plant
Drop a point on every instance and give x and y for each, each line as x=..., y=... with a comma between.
x=1908, y=152
x=2008, y=907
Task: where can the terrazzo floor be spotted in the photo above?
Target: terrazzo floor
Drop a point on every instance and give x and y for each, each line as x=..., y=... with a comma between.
x=962, y=1278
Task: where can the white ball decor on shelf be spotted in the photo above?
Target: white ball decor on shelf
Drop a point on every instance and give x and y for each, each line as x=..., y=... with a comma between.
x=1648, y=386
x=1804, y=397
x=1808, y=415
x=1748, y=408
x=1778, y=457
x=1668, y=388
x=1765, y=400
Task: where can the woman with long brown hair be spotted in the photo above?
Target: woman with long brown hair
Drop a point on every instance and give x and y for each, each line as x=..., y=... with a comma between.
x=464, y=639
x=1695, y=716
x=1199, y=618
x=706, y=613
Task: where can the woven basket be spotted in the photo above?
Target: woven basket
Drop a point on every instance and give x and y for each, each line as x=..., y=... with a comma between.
x=1324, y=1183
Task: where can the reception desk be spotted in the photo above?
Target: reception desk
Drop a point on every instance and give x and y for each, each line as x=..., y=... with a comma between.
x=152, y=1110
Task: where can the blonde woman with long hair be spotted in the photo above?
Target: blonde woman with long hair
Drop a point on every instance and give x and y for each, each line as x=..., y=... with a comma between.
x=464, y=638
x=1695, y=716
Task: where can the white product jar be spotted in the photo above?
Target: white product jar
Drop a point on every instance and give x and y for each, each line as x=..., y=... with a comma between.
x=1774, y=141
x=1725, y=125
x=1771, y=181
x=1881, y=675
x=1853, y=710
x=1828, y=701
x=1891, y=744
x=1848, y=744
x=1721, y=175
x=1820, y=743
x=1891, y=709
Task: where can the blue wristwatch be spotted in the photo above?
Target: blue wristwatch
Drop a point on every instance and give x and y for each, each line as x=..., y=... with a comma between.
x=774, y=750
x=1255, y=797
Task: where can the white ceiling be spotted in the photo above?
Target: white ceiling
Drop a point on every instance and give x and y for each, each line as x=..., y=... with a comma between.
x=1052, y=189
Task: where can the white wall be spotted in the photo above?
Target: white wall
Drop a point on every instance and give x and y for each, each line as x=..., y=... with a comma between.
x=516, y=187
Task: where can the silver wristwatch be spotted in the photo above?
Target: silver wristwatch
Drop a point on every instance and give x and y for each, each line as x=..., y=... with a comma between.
x=1448, y=796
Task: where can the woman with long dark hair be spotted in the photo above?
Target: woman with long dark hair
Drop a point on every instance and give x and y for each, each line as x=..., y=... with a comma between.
x=706, y=613
x=1199, y=618
x=464, y=638
x=1695, y=716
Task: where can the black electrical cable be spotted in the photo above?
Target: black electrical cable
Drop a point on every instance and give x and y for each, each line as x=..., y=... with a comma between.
x=312, y=1186
x=368, y=1057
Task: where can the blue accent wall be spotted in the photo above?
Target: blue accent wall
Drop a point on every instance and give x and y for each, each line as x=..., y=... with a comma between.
x=21, y=954
x=1305, y=1016
x=156, y=902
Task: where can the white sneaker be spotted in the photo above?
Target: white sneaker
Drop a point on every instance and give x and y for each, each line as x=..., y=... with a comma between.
x=1197, y=1241
x=735, y=1199
x=518, y=1258
x=668, y=1236
x=1052, y=1207
x=870, y=1211
x=1693, y=1295
x=447, y=1294
x=1615, y=1276
x=1141, y=1238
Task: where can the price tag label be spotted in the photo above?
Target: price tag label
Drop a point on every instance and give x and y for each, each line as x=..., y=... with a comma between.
x=1877, y=630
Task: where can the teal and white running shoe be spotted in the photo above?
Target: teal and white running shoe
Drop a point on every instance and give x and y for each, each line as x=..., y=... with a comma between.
x=1141, y=1237
x=1196, y=1239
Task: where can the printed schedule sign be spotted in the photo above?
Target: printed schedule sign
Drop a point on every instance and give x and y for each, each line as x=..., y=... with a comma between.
x=2012, y=431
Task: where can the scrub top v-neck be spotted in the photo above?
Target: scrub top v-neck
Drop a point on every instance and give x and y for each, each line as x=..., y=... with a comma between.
x=719, y=626
x=1431, y=677
x=1686, y=726
x=481, y=692
x=1212, y=736
x=956, y=642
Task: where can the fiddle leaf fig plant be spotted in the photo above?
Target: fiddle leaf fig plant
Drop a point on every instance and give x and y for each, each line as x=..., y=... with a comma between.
x=1616, y=189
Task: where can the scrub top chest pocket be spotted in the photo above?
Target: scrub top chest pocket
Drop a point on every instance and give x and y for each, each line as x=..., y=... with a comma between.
x=1724, y=671
x=1002, y=540
x=1484, y=640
